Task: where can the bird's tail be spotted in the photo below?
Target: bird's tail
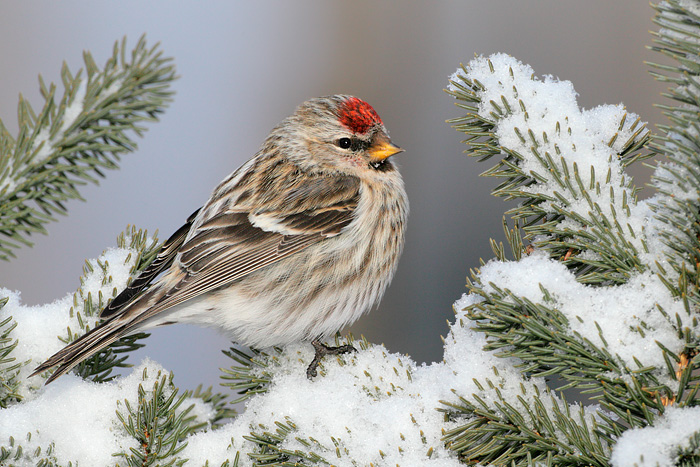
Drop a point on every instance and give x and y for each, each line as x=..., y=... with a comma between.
x=87, y=345
x=130, y=310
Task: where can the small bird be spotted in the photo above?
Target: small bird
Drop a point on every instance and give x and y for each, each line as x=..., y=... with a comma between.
x=297, y=243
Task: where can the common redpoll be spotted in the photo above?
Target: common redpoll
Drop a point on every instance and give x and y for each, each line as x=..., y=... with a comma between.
x=298, y=242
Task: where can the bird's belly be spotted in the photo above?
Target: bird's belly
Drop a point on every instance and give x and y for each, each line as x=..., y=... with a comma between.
x=312, y=295
x=274, y=319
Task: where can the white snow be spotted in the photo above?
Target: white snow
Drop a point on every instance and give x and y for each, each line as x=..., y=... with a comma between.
x=112, y=89
x=39, y=327
x=70, y=115
x=619, y=310
x=657, y=445
x=79, y=418
x=690, y=5
x=76, y=416
x=74, y=108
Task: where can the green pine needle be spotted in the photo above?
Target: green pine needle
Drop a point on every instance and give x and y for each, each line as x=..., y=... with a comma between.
x=72, y=141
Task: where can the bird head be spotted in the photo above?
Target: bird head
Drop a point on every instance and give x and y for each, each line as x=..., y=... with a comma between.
x=337, y=133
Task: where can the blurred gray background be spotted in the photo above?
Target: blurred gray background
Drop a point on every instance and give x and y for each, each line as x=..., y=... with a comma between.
x=245, y=65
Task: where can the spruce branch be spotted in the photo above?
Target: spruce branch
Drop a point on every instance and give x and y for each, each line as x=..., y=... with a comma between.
x=270, y=451
x=72, y=141
x=689, y=456
x=676, y=177
x=222, y=412
x=539, y=335
x=14, y=454
x=561, y=212
x=566, y=205
x=9, y=366
x=500, y=432
x=158, y=423
x=581, y=211
x=102, y=280
x=254, y=370
x=250, y=374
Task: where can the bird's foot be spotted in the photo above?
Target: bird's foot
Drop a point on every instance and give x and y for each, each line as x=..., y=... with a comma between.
x=321, y=351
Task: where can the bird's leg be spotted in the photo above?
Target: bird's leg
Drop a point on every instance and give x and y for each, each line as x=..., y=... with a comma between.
x=321, y=351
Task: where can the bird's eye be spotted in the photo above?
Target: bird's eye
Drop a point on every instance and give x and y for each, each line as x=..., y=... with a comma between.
x=344, y=143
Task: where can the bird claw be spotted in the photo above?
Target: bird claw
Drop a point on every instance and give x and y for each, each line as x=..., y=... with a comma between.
x=321, y=351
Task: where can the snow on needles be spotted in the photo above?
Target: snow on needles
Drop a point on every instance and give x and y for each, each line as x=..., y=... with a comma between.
x=657, y=445
x=70, y=115
x=608, y=317
x=544, y=121
x=39, y=328
x=77, y=421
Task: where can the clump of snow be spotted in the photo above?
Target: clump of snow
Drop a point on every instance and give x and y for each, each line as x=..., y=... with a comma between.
x=373, y=406
x=75, y=108
x=553, y=135
x=39, y=329
x=619, y=310
x=657, y=445
x=112, y=89
x=79, y=418
x=7, y=183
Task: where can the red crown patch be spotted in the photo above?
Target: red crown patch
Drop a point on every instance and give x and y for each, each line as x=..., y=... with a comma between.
x=358, y=116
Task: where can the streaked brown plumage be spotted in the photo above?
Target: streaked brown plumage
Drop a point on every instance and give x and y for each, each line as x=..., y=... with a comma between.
x=295, y=244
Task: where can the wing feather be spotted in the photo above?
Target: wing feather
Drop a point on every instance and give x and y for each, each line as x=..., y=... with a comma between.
x=162, y=261
x=228, y=246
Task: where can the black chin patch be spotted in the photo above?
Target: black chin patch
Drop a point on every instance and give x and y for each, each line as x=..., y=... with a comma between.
x=382, y=166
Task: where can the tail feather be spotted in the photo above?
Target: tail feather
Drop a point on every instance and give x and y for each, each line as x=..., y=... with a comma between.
x=84, y=347
x=123, y=314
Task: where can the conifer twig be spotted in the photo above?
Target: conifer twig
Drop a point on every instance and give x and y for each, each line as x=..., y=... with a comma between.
x=73, y=140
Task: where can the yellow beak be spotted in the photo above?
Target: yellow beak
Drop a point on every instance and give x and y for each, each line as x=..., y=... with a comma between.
x=382, y=147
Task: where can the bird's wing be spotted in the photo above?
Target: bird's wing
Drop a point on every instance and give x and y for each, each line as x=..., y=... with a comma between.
x=238, y=241
x=162, y=261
